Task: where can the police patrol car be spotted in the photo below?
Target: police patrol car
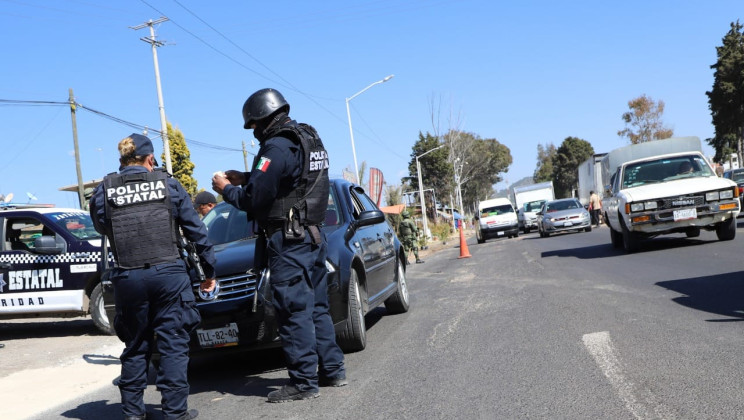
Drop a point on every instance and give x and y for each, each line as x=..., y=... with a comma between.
x=50, y=264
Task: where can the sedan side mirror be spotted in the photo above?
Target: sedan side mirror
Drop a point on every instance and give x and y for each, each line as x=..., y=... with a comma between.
x=370, y=217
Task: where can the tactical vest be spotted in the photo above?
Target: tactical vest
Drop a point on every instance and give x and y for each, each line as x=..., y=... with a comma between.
x=309, y=201
x=139, y=210
x=405, y=228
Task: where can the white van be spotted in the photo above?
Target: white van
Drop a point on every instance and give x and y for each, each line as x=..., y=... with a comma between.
x=496, y=218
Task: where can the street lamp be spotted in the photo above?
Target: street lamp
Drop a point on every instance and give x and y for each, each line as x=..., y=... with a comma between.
x=348, y=114
x=421, y=189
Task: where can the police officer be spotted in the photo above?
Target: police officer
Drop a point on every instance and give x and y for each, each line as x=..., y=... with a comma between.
x=286, y=193
x=140, y=210
x=409, y=235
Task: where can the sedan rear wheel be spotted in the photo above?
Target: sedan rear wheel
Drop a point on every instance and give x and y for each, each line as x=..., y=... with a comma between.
x=354, y=335
x=398, y=303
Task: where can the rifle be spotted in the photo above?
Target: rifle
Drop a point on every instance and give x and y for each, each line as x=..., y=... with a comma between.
x=191, y=257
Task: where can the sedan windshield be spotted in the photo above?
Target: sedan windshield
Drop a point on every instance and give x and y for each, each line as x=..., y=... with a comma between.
x=562, y=205
x=226, y=224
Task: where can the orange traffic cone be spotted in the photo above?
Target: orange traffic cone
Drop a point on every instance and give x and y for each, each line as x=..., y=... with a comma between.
x=464, y=253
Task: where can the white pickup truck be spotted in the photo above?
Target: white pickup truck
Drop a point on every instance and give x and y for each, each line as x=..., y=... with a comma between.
x=667, y=193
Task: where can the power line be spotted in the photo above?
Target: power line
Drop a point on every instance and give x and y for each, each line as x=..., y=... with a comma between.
x=140, y=127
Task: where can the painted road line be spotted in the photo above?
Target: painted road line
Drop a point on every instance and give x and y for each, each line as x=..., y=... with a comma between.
x=600, y=347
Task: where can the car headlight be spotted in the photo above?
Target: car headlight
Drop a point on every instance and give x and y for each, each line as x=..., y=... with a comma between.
x=648, y=205
x=726, y=194
x=712, y=196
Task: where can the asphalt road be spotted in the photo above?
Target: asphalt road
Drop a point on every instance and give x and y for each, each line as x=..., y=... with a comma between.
x=565, y=327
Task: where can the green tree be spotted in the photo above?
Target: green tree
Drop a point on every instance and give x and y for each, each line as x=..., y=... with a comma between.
x=183, y=167
x=568, y=157
x=643, y=121
x=545, y=155
x=436, y=171
x=487, y=161
x=726, y=98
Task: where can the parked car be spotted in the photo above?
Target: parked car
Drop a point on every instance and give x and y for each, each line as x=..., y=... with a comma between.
x=737, y=175
x=366, y=269
x=566, y=214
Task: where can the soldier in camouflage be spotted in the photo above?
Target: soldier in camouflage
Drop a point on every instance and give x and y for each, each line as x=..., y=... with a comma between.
x=409, y=235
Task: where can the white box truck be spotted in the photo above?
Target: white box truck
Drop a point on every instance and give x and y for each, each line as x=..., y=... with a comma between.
x=590, y=178
x=662, y=187
x=528, y=199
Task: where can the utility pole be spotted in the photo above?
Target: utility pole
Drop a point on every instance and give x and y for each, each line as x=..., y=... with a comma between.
x=245, y=158
x=81, y=188
x=163, y=125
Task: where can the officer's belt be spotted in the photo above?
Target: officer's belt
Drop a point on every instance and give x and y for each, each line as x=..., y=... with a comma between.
x=273, y=226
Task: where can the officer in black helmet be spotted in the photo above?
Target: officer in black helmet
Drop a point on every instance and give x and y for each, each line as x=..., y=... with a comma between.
x=140, y=210
x=287, y=194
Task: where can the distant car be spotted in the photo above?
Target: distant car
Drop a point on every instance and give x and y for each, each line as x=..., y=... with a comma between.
x=496, y=217
x=366, y=265
x=566, y=214
x=737, y=175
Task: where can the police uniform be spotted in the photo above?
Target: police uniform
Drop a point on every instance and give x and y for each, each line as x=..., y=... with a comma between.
x=140, y=212
x=297, y=262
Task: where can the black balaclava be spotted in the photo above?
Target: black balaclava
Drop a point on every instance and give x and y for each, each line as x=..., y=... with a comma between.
x=264, y=127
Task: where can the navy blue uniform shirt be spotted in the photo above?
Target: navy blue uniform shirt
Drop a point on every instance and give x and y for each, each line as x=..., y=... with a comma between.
x=276, y=173
x=183, y=211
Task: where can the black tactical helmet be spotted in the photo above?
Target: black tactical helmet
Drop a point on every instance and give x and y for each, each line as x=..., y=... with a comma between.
x=262, y=104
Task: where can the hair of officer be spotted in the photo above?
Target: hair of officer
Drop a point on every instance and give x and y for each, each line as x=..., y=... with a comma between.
x=127, y=149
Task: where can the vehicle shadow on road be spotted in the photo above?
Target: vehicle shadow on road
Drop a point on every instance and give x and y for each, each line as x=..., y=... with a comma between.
x=607, y=250
x=721, y=294
x=41, y=329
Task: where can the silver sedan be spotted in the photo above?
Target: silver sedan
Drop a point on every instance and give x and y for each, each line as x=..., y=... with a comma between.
x=566, y=214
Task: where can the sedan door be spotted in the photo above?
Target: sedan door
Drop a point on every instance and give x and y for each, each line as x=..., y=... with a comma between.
x=377, y=246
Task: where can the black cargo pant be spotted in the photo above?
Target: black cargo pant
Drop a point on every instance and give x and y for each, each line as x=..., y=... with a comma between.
x=300, y=297
x=154, y=302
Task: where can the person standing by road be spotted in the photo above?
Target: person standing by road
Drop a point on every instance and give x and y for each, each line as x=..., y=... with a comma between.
x=409, y=235
x=140, y=210
x=204, y=202
x=595, y=207
x=286, y=193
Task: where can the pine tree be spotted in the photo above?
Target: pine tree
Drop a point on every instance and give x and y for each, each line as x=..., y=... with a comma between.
x=183, y=168
x=726, y=99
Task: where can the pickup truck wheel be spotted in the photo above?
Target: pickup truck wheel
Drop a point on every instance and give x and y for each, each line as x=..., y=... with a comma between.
x=726, y=230
x=354, y=336
x=479, y=238
x=398, y=303
x=98, y=311
x=616, y=238
x=630, y=240
x=589, y=229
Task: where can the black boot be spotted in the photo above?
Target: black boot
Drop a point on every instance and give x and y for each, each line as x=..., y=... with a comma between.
x=420, y=261
x=290, y=393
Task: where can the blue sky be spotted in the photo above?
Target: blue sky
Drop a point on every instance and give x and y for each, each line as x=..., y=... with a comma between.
x=522, y=72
